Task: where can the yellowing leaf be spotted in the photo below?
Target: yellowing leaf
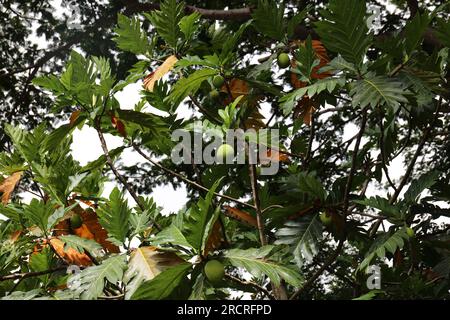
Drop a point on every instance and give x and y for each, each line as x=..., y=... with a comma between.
x=240, y=216
x=215, y=239
x=118, y=125
x=152, y=78
x=145, y=264
x=321, y=54
x=70, y=255
x=15, y=235
x=8, y=185
x=306, y=107
x=74, y=116
x=273, y=156
x=90, y=229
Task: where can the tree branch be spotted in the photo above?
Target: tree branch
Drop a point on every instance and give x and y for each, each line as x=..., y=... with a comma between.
x=413, y=6
x=354, y=158
x=240, y=14
x=251, y=284
x=203, y=110
x=259, y=214
x=24, y=275
x=411, y=165
x=317, y=274
x=116, y=172
x=185, y=179
x=383, y=157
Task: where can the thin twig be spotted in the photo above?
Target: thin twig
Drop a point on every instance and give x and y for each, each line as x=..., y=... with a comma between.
x=116, y=172
x=311, y=140
x=203, y=110
x=354, y=160
x=185, y=179
x=383, y=157
x=411, y=165
x=24, y=275
x=251, y=284
x=317, y=274
x=259, y=213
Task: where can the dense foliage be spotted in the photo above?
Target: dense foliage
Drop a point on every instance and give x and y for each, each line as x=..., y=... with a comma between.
x=311, y=230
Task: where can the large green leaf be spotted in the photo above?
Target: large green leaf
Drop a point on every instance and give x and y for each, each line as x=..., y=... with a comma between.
x=417, y=186
x=381, y=204
x=189, y=25
x=303, y=238
x=81, y=244
x=171, y=235
x=195, y=220
x=424, y=84
x=39, y=212
x=390, y=241
x=189, y=85
x=289, y=101
x=130, y=36
x=150, y=122
x=377, y=91
x=257, y=262
x=230, y=42
x=414, y=30
x=163, y=284
x=101, y=161
x=443, y=31
x=306, y=59
x=268, y=19
x=114, y=216
x=344, y=29
x=90, y=282
x=167, y=19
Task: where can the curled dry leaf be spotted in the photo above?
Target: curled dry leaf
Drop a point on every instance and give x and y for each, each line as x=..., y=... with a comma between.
x=306, y=107
x=70, y=255
x=241, y=216
x=118, y=125
x=74, y=116
x=90, y=229
x=215, y=240
x=152, y=78
x=8, y=185
x=273, y=155
x=15, y=235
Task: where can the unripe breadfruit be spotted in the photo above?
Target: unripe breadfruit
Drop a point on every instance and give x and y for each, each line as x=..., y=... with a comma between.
x=325, y=218
x=410, y=232
x=224, y=150
x=283, y=60
x=214, y=94
x=214, y=271
x=218, y=81
x=75, y=221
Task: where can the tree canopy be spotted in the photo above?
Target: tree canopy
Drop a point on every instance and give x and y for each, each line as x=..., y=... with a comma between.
x=331, y=217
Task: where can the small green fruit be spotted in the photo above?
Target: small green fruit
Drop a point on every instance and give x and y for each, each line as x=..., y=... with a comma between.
x=214, y=94
x=224, y=151
x=218, y=81
x=283, y=60
x=214, y=271
x=410, y=232
x=325, y=218
x=75, y=221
